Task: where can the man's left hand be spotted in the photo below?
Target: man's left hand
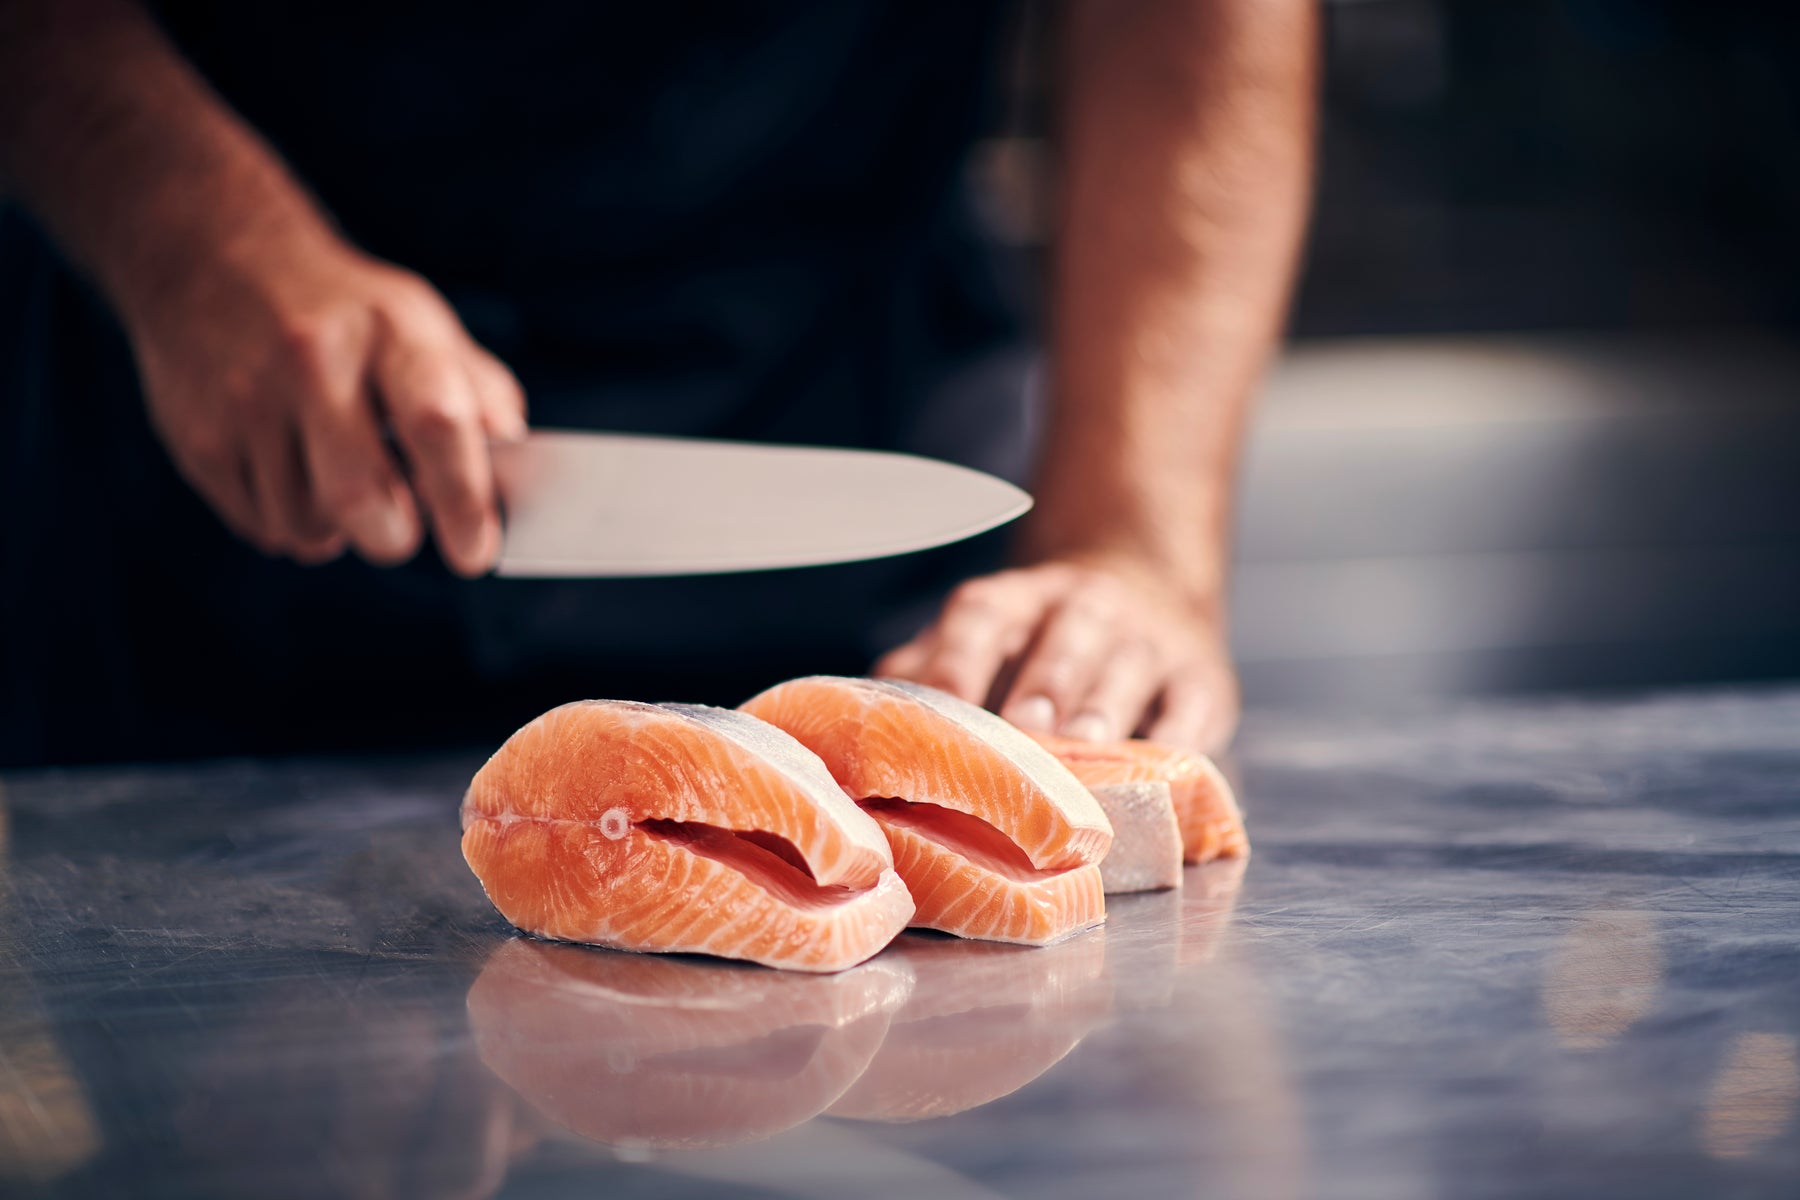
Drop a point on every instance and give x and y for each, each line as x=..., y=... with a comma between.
x=1096, y=651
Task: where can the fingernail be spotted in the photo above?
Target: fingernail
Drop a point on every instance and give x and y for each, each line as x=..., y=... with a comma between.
x=1087, y=727
x=1033, y=712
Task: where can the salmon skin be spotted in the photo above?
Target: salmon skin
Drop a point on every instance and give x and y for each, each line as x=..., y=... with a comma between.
x=1212, y=825
x=674, y=827
x=993, y=836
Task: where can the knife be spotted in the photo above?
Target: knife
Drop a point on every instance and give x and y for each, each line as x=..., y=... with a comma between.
x=600, y=504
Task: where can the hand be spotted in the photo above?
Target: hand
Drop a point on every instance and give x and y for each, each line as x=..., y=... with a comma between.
x=1096, y=651
x=273, y=373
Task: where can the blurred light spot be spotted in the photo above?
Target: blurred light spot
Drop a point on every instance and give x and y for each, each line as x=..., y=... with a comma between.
x=1753, y=1098
x=1603, y=977
x=47, y=1128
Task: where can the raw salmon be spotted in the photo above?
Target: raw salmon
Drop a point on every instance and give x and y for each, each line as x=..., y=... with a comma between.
x=994, y=838
x=1211, y=824
x=678, y=827
x=983, y=1021
x=1146, y=848
x=668, y=1052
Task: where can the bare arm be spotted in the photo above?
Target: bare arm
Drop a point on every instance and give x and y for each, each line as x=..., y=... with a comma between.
x=272, y=352
x=1186, y=139
x=1187, y=130
x=121, y=150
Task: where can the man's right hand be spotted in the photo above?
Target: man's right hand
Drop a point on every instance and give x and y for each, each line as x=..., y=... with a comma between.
x=318, y=399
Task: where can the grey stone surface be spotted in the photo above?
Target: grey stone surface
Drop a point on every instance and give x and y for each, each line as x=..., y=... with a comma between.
x=1532, y=949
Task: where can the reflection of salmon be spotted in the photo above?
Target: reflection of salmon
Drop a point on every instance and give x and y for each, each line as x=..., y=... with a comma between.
x=993, y=837
x=983, y=1021
x=1152, y=937
x=1211, y=824
x=675, y=1052
x=1206, y=910
x=676, y=827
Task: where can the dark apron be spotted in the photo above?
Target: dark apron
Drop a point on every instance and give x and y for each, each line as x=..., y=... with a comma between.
x=732, y=220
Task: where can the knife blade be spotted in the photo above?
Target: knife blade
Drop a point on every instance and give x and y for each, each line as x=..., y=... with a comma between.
x=581, y=505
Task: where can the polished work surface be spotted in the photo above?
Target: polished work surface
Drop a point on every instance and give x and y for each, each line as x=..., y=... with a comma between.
x=1543, y=949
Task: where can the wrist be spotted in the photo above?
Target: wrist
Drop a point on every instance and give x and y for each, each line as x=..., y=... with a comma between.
x=194, y=241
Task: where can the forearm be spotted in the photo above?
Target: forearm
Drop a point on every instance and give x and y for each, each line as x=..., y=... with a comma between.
x=134, y=166
x=1186, y=144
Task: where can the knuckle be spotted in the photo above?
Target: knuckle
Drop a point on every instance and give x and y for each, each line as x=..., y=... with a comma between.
x=410, y=291
x=1093, y=606
x=985, y=597
x=954, y=662
x=510, y=392
x=1094, y=586
x=973, y=592
x=305, y=343
x=410, y=305
x=433, y=419
x=1137, y=650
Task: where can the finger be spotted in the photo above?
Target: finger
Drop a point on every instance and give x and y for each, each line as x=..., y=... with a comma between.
x=984, y=623
x=501, y=398
x=1060, y=667
x=223, y=480
x=278, y=490
x=316, y=537
x=1193, y=715
x=1128, y=681
x=436, y=418
x=354, y=480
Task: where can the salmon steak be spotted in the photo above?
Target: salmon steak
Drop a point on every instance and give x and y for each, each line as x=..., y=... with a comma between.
x=641, y=1051
x=1212, y=826
x=676, y=827
x=994, y=838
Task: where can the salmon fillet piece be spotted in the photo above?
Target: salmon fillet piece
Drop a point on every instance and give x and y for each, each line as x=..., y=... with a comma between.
x=677, y=827
x=1146, y=849
x=994, y=838
x=679, y=1053
x=1212, y=826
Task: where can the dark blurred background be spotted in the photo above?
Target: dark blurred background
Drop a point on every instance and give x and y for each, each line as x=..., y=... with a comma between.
x=1538, y=426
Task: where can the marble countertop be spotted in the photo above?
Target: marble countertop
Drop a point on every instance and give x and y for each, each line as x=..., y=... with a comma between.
x=1544, y=948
